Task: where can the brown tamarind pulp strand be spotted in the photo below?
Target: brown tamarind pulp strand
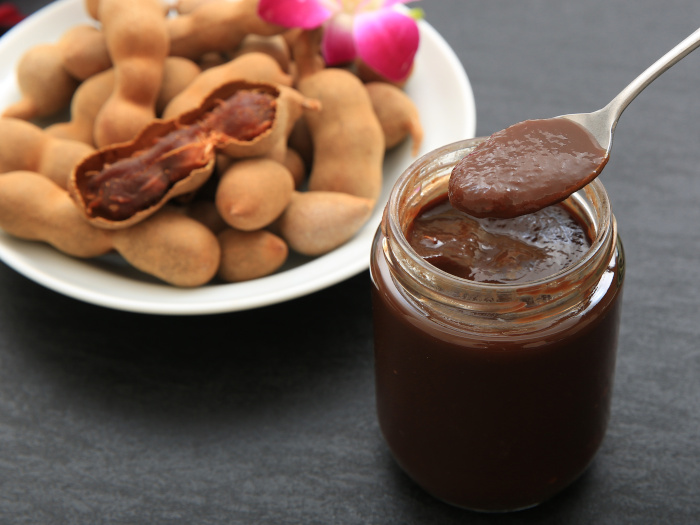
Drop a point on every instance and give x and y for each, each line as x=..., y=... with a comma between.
x=137, y=182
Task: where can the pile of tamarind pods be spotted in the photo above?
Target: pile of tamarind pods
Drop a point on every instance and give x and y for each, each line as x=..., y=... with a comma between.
x=201, y=145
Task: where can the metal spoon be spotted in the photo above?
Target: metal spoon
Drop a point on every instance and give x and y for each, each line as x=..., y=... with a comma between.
x=602, y=123
x=537, y=163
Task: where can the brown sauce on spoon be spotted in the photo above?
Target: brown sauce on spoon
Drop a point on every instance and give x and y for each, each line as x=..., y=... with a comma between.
x=526, y=167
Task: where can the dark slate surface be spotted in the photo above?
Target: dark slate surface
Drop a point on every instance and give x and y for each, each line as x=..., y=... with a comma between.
x=112, y=417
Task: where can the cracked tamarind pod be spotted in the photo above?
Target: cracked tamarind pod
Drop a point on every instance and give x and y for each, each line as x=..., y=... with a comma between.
x=289, y=105
x=27, y=147
x=123, y=184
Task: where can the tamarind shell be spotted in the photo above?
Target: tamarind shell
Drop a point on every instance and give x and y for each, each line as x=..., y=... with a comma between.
x=216, y=141
x=78, y=181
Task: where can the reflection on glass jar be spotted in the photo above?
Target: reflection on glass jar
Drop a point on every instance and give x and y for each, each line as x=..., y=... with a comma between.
x=493, y=396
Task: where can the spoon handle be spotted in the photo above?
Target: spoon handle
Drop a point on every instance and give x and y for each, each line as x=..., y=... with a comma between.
x=617, y=105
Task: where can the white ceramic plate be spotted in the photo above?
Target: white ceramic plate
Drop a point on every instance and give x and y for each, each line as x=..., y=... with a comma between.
x=441, y=90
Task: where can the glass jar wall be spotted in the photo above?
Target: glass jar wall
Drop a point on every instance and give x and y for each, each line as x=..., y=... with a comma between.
x=493, y=397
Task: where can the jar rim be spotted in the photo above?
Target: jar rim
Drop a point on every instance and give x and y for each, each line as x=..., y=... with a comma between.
x=594, y=190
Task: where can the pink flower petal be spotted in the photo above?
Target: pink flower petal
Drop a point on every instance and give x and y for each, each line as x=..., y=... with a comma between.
x=338, y=44
x=306, y=14
x=387, y=41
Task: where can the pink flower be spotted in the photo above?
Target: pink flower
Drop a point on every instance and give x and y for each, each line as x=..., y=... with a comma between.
x=384, y=38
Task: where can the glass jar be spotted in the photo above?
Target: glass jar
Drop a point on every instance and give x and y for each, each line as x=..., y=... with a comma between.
x=493, y=397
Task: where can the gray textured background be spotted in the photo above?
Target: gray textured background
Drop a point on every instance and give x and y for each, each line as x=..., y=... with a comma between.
x=111, y=417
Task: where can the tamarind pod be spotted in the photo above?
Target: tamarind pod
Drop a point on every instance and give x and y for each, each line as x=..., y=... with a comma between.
x=27, y=147
x=306, y=53
x=178, y=73
x=120, y=117
x=223, y=162
x=296, y=166
x=274, y=46
x=22, y=145
x=34, y=208
x=184, y=7
x=272, y=144
x=92, y=8
x=252, y=193
x=290, y=108
x=205, y=211
x=264, y=140
x=212, y=59
x=367, y=74
x=84, y=52
x=170, y=246
x=86, y=104
x=316, y=222
x=250, y=255
x=137, y=40
x=397, y=114
x=253, y=67
x=300, y=106
x=60, y=157
x=175, y=248
x=291, y=35
x=300, y=141
x=346, y=134
x=216, y=26
x=348, y=141
x=46, y=87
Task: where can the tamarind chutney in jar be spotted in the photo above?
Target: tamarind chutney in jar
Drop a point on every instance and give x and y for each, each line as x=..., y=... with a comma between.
x=495, y=339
